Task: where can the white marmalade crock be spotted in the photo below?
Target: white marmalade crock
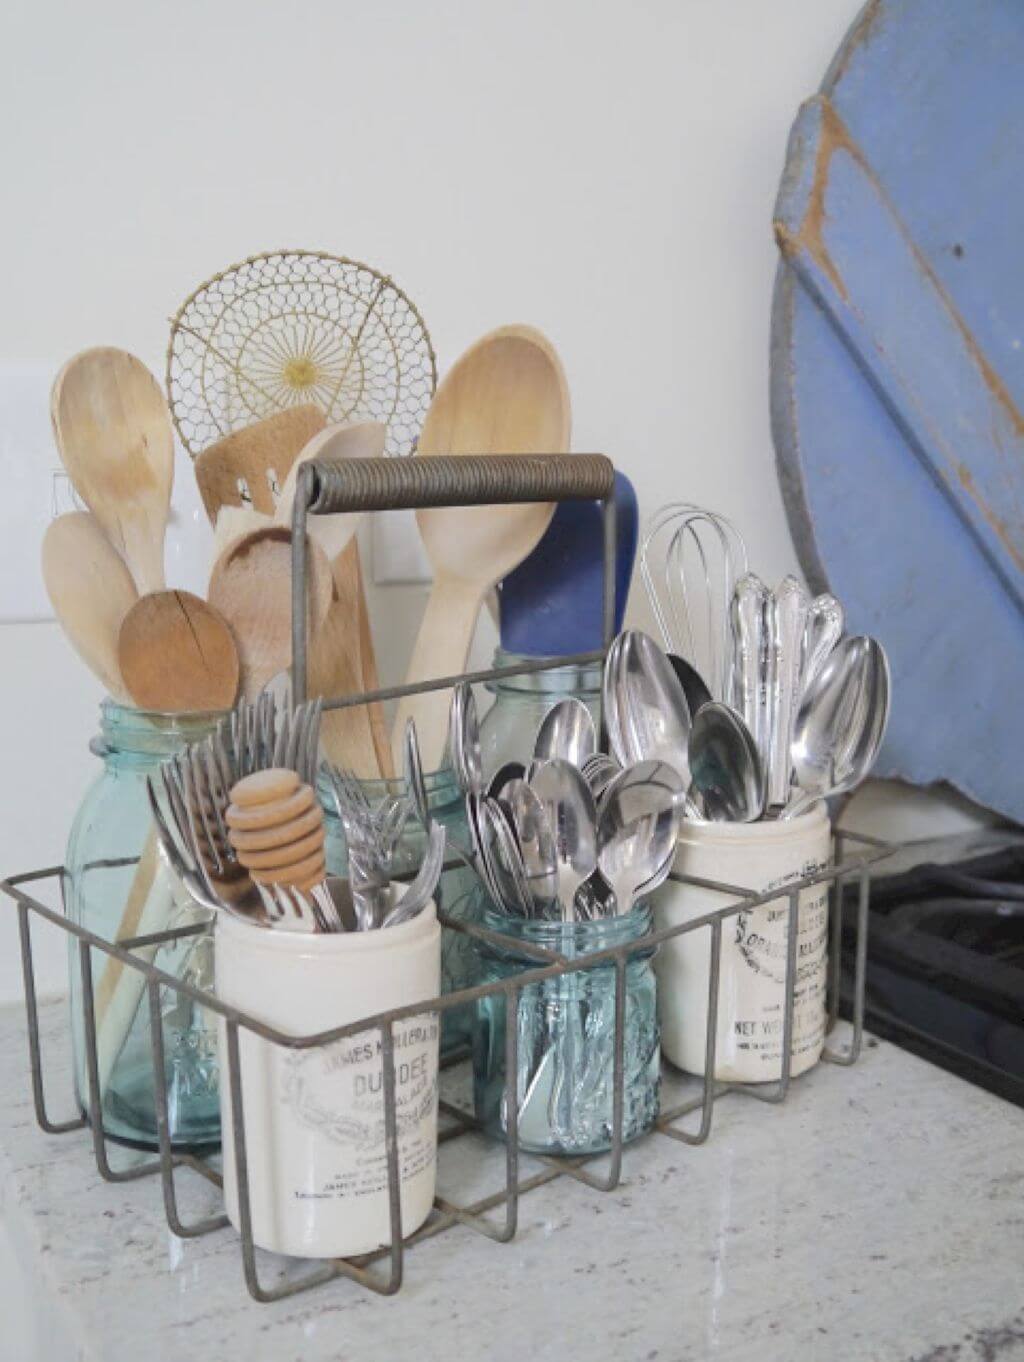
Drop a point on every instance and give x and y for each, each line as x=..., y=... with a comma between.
x=314, y=1118
x=751, y=1002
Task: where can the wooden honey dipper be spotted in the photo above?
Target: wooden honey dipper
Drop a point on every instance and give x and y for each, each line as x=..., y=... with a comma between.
x=276, y=827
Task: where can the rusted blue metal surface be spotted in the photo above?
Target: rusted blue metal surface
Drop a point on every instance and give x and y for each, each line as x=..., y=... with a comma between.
x=898, y=372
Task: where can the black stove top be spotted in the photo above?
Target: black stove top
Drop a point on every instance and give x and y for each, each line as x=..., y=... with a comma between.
x=946, y=966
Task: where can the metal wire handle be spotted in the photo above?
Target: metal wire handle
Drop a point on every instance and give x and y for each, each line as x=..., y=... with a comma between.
x=327, y=487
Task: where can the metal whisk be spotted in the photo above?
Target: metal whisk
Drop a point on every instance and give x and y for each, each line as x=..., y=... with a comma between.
x=690, y=560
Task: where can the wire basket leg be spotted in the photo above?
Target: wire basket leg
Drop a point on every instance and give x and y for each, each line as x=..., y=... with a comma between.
x=99, y=1140
x=34, y=1048
x=711, y=1090
x=167, y=1160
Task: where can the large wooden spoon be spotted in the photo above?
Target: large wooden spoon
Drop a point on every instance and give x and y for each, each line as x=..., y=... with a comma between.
x=506, y=395
x=257, y=458
x=113, y=430
x=178, y=655
x=251, y=586
x=91, y=592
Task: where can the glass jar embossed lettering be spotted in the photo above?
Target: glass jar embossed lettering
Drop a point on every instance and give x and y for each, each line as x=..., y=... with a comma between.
x=566, y=1036
x=455, y=893
x=118, y=886
x=508, y=729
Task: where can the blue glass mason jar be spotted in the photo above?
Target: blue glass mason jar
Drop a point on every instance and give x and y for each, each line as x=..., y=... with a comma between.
x=118, y=885
x=456, y=894
x=508, y=729
x=566, y=1035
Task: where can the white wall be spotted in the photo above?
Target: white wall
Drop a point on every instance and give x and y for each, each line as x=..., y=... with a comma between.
x=603, y=170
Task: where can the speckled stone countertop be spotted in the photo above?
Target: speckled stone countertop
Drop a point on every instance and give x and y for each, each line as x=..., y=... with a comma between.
x=877, y=1217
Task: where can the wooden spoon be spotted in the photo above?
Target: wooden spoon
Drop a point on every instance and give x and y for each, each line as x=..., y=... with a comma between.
x=258, y=457
x=177, y=654
x=251, y=585
x=506, y=395
x=113, y=430
x=91, y=591
x=364, y=440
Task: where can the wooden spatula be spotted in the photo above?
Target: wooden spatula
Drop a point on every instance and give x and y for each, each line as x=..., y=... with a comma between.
x=91, y=591
x=506, y=395
x=177, y=654
x=258, y=457
x=114, y=434
x=335, y=534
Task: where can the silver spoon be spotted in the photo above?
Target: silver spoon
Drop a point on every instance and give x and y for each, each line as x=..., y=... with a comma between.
x=726, y=767
x=751, y=607
x=599, y=771
x=841, y=722
x=823, y=630
x=536, y=842
x=694, y=688
x=567, y=733
x=502, y=855
x=645, y=708
x=572, y=818
x=465, y=740
x=638, y=829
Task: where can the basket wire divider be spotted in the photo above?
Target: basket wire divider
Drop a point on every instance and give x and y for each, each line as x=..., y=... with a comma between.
x=396, y=484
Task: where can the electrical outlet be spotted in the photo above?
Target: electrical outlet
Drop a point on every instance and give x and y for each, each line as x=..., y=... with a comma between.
x=398, y=553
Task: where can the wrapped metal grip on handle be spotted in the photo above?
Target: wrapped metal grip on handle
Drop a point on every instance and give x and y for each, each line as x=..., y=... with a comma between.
x=454, y=480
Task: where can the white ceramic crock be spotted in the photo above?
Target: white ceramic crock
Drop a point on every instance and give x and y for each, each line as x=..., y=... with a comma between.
x=314, y=1119
x=759, y=856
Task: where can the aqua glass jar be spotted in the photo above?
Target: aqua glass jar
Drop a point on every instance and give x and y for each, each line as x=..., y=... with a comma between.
x=118, y=885
x=456, y=890
x=508, y=729
x=566, y=1035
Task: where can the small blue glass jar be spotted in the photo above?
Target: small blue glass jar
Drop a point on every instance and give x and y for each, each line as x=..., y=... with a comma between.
x=118, y=886
x=566, y=1035
x=508, y=729
x=456, y=893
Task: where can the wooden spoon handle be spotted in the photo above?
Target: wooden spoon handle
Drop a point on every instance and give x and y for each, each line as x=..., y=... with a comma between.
x=442, y=647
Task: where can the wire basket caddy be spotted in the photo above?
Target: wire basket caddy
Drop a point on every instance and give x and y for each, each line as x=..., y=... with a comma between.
x=384, y=484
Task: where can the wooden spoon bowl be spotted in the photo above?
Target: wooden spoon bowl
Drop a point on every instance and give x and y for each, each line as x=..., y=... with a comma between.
x=177, y=654
x=251, y=585
x=506, y=395
x=91, y=592
x=113, y=430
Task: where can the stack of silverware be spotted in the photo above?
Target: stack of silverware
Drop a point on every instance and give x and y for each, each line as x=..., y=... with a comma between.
x=761, y=709
x=239, y=820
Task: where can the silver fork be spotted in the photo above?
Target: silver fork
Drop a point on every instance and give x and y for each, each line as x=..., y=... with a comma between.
x=421, y=889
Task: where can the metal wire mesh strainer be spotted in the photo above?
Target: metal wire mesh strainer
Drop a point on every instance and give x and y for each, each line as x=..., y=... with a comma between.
x=294, y=327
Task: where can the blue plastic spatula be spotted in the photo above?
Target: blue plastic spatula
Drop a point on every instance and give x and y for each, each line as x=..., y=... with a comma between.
x=552, y=602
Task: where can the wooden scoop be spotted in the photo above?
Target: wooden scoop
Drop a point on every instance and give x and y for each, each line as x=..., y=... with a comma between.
x=177, y=654
x=506, y=395
x=114, y=434
x=258, y=457
x=91, y=592
x=251, y=585
x=276, y=827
